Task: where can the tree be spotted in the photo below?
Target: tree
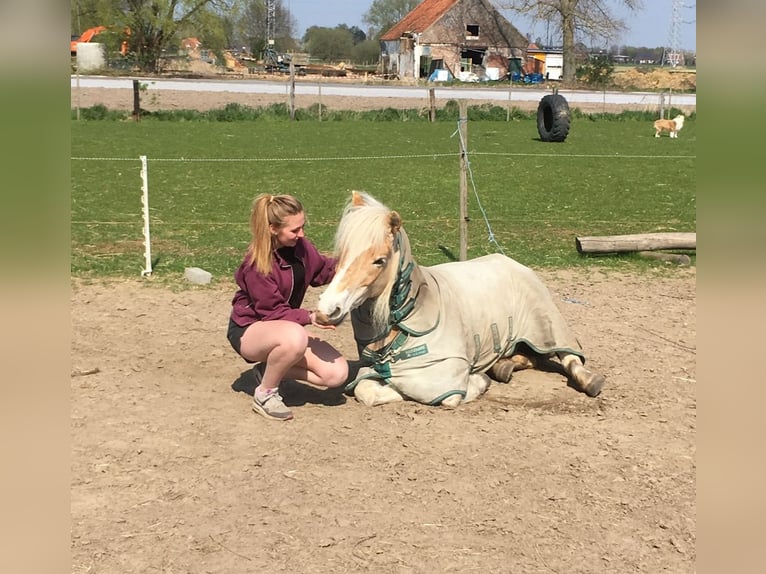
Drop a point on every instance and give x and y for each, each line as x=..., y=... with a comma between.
x=357, y=34
x=329, y=44
x=86, y=14
x=367, y=52
x=597, y=71
x=385, y=13
x=589, y=18
x=155, y=26
x=250, y=27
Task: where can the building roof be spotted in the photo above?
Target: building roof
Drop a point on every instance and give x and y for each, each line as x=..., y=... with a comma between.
x=421, y=17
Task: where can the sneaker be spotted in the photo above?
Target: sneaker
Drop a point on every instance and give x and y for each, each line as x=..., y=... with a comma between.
x=271, y=406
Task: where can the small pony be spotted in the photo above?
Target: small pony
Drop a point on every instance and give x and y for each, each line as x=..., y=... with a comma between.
x=436, y=334
x=671, y=126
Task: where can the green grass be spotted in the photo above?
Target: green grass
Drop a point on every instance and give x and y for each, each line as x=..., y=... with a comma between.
x=607, y=178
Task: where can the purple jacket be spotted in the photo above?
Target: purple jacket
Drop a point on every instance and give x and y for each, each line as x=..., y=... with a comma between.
x=265, y=297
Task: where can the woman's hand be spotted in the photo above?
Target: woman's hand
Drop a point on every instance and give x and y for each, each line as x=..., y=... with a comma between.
x=313, y=317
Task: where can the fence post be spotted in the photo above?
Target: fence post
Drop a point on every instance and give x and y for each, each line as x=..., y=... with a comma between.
x=463, y=139
x=319, y=91
x=145, y=201
x=662, y=105
x=432, y=104
x=77, y=74
x=292, y=90
x=136, y=100
x=670, y=102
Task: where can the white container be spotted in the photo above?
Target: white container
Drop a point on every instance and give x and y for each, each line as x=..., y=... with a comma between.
x=91, y=56
x=197, y=275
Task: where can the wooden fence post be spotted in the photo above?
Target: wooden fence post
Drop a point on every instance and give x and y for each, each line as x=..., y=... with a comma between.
x=319, y=90
x=432, y=104
x=670, y=101
x=292, y=90
x=136, y=100
x=78, y=93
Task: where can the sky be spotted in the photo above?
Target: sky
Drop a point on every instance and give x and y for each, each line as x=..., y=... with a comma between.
x=650, y=28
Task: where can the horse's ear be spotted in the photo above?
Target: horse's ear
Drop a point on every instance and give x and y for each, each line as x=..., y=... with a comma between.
x=357, y=199
x=395, y=221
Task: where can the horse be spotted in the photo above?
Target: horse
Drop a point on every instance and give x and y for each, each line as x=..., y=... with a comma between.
x=436, y=334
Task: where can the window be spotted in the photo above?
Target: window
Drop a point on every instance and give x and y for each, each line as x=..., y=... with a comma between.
x=472, y=31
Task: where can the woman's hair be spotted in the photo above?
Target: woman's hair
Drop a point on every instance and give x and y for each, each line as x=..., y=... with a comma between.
x=268, y=210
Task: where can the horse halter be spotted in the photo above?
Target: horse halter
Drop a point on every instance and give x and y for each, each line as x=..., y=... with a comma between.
x=399, y=304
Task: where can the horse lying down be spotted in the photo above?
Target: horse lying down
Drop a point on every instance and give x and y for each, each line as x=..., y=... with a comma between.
x=437, y=334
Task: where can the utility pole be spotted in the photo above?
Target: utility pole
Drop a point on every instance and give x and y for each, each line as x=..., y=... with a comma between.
x=271, y=9
x=674, y=56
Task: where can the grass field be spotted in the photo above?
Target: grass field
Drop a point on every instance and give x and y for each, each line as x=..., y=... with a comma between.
x=607, y=178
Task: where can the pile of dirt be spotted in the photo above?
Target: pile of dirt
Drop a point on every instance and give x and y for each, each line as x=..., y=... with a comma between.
x=655, y=79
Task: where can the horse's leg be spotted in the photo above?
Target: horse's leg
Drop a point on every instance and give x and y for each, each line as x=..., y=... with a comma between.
x=584, y=380
x=477, y=385
x=503, y=369
x=370, y=393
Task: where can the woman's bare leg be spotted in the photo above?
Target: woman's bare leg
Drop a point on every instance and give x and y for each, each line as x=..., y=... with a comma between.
x=290, y=353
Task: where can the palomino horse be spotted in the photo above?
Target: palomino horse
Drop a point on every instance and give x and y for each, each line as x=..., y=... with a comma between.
x=434, y=334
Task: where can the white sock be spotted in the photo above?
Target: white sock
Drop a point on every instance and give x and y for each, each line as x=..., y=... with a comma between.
x=263, y=393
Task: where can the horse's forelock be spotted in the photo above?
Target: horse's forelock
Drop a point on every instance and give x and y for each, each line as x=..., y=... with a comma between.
x=361, y=227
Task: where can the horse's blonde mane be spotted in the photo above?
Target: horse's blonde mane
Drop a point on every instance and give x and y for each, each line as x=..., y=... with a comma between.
x=361, y=226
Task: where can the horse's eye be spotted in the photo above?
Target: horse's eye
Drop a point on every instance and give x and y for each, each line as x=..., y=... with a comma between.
x=379, y=262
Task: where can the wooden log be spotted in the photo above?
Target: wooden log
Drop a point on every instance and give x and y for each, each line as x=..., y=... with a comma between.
x=676, y=258
x=638, y=242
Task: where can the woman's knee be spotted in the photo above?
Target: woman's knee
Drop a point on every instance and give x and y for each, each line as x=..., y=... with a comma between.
x=336, y=373
x=295, y=337
x=262, y=338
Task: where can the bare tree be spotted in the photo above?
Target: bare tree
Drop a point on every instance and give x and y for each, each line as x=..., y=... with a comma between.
x=385, y=13
x=251, y=26
x=586, y=18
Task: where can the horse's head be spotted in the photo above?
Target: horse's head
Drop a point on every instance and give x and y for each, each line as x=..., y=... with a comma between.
x=367, y=258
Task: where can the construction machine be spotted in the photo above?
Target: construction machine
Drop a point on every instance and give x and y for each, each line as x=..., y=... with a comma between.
x=91, y=33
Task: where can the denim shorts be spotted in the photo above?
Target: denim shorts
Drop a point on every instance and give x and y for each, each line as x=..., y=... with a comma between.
x=234, y=334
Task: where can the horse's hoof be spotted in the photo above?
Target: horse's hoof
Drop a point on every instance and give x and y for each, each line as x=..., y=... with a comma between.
x=593, y=387
x=452, y=402
x=502, y=371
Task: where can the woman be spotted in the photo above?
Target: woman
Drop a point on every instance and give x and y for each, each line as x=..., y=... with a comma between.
x=267, y=324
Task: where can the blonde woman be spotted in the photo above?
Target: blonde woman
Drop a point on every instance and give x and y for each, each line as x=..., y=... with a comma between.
x=267, y=323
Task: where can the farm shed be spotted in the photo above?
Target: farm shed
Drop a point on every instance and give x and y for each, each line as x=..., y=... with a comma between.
x=546, y=61
x=467, y=37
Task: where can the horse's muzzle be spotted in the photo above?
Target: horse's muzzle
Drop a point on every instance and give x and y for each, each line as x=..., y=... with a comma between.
x=333, y=318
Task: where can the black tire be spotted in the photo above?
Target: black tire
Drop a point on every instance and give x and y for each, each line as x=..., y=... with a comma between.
x=553, y=118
